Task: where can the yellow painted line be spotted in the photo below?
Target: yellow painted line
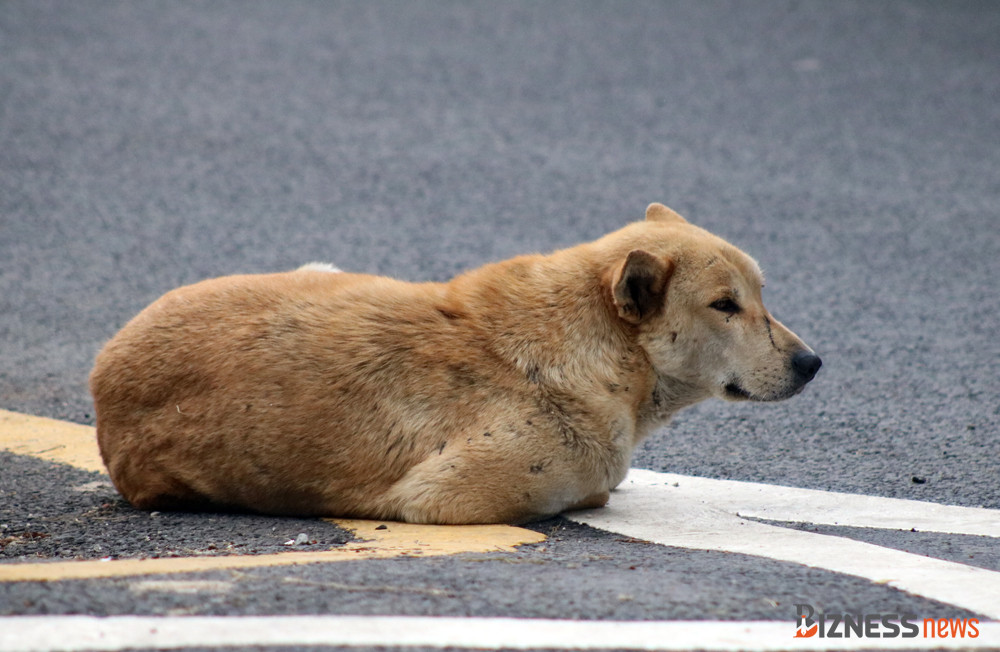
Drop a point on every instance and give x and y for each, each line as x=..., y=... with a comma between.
x=51, y=440
x=397, y=540
x=76, y=445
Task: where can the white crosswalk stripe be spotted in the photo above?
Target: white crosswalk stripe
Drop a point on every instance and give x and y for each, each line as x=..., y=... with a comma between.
x=705, y=514
x=73, y=633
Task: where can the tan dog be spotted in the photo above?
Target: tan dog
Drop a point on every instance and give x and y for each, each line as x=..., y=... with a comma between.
x=515, y=391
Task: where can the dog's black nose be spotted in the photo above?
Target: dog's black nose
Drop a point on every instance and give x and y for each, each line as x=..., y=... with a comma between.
x=806, y=365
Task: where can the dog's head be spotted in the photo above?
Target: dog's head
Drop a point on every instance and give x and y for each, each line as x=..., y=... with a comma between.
x=695, y=304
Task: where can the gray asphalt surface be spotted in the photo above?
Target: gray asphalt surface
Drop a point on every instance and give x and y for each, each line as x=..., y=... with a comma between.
x=851, y=147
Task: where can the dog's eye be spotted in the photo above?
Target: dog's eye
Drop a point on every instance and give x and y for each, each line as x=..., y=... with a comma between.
x=727, y=306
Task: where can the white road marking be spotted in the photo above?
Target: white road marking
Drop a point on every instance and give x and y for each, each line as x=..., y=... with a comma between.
x=72, y=633
x=776, y=503
x=705, y=514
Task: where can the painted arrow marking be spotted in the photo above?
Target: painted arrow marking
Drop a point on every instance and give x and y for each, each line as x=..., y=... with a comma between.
x=705, y=514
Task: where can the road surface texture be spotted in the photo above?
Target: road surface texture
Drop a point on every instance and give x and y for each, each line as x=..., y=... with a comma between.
x=850, y=147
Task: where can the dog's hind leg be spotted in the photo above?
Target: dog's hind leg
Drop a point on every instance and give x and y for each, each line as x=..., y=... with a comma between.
x=593, y=501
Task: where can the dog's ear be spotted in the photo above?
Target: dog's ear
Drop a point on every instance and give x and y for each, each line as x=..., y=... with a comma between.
x=659, y=213
x=639, y=286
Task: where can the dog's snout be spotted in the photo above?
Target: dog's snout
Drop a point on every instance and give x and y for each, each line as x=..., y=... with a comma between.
x=806, y=364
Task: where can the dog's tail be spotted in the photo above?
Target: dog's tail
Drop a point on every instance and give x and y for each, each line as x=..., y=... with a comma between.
x=319, y=267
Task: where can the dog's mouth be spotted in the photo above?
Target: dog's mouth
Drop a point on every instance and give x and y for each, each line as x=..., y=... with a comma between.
x=736, y=393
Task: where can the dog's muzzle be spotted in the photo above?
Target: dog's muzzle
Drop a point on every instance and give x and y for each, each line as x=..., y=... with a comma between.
x=803, y=366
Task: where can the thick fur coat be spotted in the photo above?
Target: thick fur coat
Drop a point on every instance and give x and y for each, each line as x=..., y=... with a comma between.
x=513, y=392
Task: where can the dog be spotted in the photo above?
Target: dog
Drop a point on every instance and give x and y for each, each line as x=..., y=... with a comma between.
x=514, y=392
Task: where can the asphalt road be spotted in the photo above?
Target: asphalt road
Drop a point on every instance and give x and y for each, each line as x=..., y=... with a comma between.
x=850, y=147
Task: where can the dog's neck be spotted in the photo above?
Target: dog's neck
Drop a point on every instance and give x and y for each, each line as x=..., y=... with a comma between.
x=556, y=326
x=669, y=396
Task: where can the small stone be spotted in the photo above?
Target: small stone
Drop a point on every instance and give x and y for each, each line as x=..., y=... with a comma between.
x=916, y=479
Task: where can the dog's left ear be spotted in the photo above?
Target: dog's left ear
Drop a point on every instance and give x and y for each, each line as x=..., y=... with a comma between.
x=639, y=286
x=657, y=212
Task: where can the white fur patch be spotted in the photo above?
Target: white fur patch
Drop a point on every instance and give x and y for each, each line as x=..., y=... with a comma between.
x=319, y=267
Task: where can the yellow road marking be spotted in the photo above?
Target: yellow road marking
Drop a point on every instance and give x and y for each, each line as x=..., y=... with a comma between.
x=76, y=445
x=51, y=440
x=397, y=540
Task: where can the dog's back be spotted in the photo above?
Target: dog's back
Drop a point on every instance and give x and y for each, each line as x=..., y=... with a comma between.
x=259, y=378
x=317, y=393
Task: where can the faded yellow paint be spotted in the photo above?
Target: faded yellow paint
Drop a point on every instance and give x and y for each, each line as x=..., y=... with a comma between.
x=396, y=540
x=49, y=439
x=76, y=445
x=406, y=538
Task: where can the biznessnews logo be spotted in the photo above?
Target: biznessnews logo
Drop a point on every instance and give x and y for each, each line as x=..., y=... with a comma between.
x=844, y=625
